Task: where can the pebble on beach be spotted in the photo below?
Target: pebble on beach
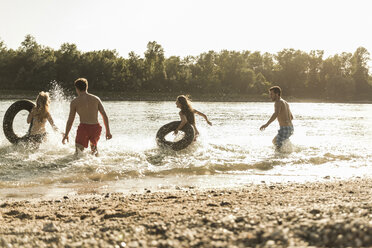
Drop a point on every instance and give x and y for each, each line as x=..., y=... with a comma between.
x=334, y=214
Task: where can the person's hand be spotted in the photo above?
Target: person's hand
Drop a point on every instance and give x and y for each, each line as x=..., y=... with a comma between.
x=65, y=137
x=175, y=132
x=263, y=127
x=209, y=123
x=108, y=136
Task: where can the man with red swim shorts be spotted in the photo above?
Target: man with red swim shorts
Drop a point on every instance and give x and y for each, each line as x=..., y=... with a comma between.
x=87, y=106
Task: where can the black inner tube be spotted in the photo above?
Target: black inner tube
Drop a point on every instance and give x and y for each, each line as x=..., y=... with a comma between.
x=8, y=120
x=170, y=127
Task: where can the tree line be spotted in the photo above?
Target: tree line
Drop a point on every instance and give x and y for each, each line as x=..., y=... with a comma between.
x=304, y=75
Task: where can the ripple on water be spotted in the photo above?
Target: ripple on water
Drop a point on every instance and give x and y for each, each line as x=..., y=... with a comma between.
x=233, y=145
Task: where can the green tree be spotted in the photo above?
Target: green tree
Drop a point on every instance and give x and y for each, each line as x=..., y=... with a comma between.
x=230, y=70
x=359, y=70
x=5, y=62
x=178, y=73
x=154, y=67
x=135, y=72
x=99, y=68
x=35, y=65
x=313, y=82
x=247, y=81
x=290, y=71
x=261, y=85
x=342, y=76
x=67, y=64
x=205, y=73
x=336, y=77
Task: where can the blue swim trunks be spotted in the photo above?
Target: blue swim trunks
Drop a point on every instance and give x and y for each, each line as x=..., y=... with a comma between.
x=283, y=134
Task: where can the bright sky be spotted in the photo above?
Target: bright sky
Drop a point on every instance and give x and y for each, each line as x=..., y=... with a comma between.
x=190, y=27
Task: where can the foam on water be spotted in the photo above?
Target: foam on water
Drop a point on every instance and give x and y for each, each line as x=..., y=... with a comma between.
x=329, y=140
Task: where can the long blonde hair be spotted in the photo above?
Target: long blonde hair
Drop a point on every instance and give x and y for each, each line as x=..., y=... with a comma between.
x=186, y=108
x=41, y=109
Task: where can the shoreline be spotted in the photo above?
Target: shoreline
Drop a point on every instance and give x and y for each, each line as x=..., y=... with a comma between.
x=146, y=96
x=332, y=213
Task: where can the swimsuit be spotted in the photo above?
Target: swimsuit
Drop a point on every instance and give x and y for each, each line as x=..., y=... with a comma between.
x=283, y=134
x=36, y=138
x=39, y=134
x=88, y=132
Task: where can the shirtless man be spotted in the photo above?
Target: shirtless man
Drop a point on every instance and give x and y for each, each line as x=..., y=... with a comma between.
x=284, y=115
x=87, y=106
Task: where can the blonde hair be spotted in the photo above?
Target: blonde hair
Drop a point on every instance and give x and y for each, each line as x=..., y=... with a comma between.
x=186, y=108
x=42, y=106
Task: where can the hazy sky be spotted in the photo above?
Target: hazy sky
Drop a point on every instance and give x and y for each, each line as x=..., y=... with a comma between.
x=190, y=27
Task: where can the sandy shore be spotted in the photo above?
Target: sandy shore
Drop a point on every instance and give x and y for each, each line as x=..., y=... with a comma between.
x=337, y=214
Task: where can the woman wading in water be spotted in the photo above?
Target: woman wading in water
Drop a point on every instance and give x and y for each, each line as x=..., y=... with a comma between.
x=38, y=117
x=187, y=114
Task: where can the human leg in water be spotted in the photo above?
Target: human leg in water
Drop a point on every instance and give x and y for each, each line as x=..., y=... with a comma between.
x=94, y=150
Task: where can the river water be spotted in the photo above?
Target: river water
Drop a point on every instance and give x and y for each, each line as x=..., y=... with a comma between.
x=331, y=141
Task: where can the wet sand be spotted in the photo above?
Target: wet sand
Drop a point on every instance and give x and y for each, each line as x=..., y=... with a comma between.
x=336, y=214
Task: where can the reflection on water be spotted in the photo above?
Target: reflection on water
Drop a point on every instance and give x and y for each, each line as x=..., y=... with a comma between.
x=330, y=140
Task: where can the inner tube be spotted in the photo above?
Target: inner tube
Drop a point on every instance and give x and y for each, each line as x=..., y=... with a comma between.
x=170, y=127
x=9, y=116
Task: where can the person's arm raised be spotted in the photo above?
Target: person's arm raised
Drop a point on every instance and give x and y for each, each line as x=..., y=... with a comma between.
x=70, y=121
x=101, y=109
x=204, y=116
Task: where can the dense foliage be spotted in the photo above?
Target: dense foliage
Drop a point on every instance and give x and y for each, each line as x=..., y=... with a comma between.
x=304, y=75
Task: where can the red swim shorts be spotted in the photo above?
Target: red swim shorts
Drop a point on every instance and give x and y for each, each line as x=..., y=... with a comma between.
x=88, y=132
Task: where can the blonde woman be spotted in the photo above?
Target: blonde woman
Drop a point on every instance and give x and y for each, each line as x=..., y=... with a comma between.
x=38, y=117
x=187, y=114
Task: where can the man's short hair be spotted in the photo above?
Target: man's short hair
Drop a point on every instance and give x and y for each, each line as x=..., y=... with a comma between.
x=81, y=84
x=276, y=89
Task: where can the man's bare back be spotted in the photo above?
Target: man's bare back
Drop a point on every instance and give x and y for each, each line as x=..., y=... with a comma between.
x=87, y=107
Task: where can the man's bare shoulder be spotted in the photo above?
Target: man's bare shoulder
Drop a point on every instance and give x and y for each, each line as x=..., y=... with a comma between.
x=94, y=97
x=74, y=101
x=282, y=102
x=278, y=103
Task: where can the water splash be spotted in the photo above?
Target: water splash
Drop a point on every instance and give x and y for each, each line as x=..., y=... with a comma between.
x=233, y=146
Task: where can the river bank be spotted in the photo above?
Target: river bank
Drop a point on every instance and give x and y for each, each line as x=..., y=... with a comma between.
x=144, y=96
x=335, y=213
x=205, y=97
